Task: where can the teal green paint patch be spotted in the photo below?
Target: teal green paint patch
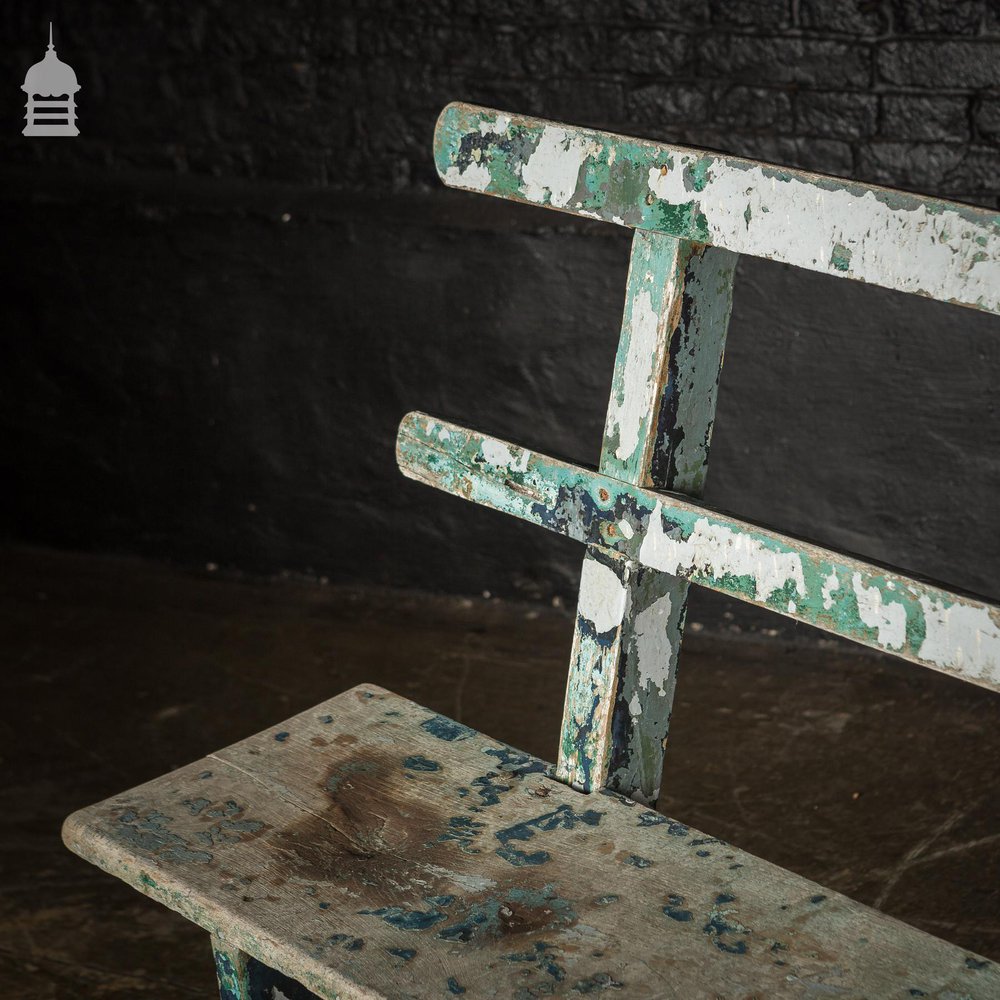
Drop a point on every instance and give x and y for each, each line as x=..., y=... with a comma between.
x=697, y=174
x=840, y=258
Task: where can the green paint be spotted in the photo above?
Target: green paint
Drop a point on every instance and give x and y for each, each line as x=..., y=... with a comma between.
x=615, y=178
x=841, y=257
x=568, y=499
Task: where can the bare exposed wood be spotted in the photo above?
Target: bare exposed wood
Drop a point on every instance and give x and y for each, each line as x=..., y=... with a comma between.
x=657, y=433
x=369, y=847
x=879, y=607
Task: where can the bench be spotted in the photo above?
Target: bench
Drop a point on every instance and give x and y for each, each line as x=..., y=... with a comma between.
x=371, y=848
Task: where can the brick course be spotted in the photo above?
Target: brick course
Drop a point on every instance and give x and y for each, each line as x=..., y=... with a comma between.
x=344, y=95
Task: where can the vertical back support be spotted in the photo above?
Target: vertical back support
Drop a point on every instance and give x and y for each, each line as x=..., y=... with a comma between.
x=692, y=212
x=657, y=433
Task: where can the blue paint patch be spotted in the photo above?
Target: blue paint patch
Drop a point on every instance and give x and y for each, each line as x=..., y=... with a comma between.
x=447, y=730
x=606, y=900
x=544, y=961
x=196, y=806
x=407, y=920
x=324, y=906
x=718, y=927
x=205, y=774
x=636, y=861
x=488, y=791
x=975, y=963
x=517, y=764
x=326, y=719
x=418, y=763
x=703, y=854
x=724, y=897
x=563, y=817
x=404, y=953
x=817, y=899
x=440, y=900
x=651, y=819
x=463, y=830
x=677, y=913
x=453, y=986
x=281, y=737
x=150, y=835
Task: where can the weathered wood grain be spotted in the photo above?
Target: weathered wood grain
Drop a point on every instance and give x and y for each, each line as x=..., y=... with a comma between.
x=877, y=606
x=906, y=242
x=369, y=847
x=657, y=433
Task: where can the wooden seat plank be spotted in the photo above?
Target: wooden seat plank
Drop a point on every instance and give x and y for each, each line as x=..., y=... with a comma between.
x=368, y=847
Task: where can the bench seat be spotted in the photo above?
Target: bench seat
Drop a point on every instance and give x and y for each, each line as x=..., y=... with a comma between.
x=369, y=847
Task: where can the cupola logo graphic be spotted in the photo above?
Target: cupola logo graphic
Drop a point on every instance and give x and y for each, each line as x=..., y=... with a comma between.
x=51, y=86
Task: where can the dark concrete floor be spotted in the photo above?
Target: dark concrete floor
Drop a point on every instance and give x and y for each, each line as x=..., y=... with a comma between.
x=873, y=777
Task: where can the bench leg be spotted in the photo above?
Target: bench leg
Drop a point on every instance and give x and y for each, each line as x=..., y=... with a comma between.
x=231, y=969
x=244, y=978
x=657, y=433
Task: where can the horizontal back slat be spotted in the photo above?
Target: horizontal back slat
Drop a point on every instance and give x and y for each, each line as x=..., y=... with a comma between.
x=926, y=246
x=879, y=607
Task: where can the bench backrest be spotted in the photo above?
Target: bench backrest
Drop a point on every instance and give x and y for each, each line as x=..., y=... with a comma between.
x=646, y=533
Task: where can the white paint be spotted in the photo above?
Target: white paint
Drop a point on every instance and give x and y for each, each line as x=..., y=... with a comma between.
x=276, y=994
x=889, y=618
x=499, y=454
x=830, y=584
x=635, y=706
x=717, y=551
x=554, y=166
x=639, y=386
x=498, y=126
x=962, y=637
x=470, y=883
x=602, y=596
x=475, y=177
x=653, y=649
x=626, y=529
x=791, y=607
x=912, y=250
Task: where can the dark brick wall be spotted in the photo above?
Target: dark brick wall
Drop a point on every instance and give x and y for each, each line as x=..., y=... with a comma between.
x=344, y=95
x=222, y=296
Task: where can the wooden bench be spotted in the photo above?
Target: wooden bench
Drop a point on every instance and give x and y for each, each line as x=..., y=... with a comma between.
x=371, y=848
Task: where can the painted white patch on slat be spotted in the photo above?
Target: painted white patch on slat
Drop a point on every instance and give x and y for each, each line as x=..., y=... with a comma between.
x=498, y=454
x=475, y=177
x=639, y=385
x=498, y=126
x=652, y=644
x=626, y=529
x=889, y=618
x=964, y=638
x=554, y=166
x=602, y=597
x=719, y=551
x=830, y=584
x=913, y=250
